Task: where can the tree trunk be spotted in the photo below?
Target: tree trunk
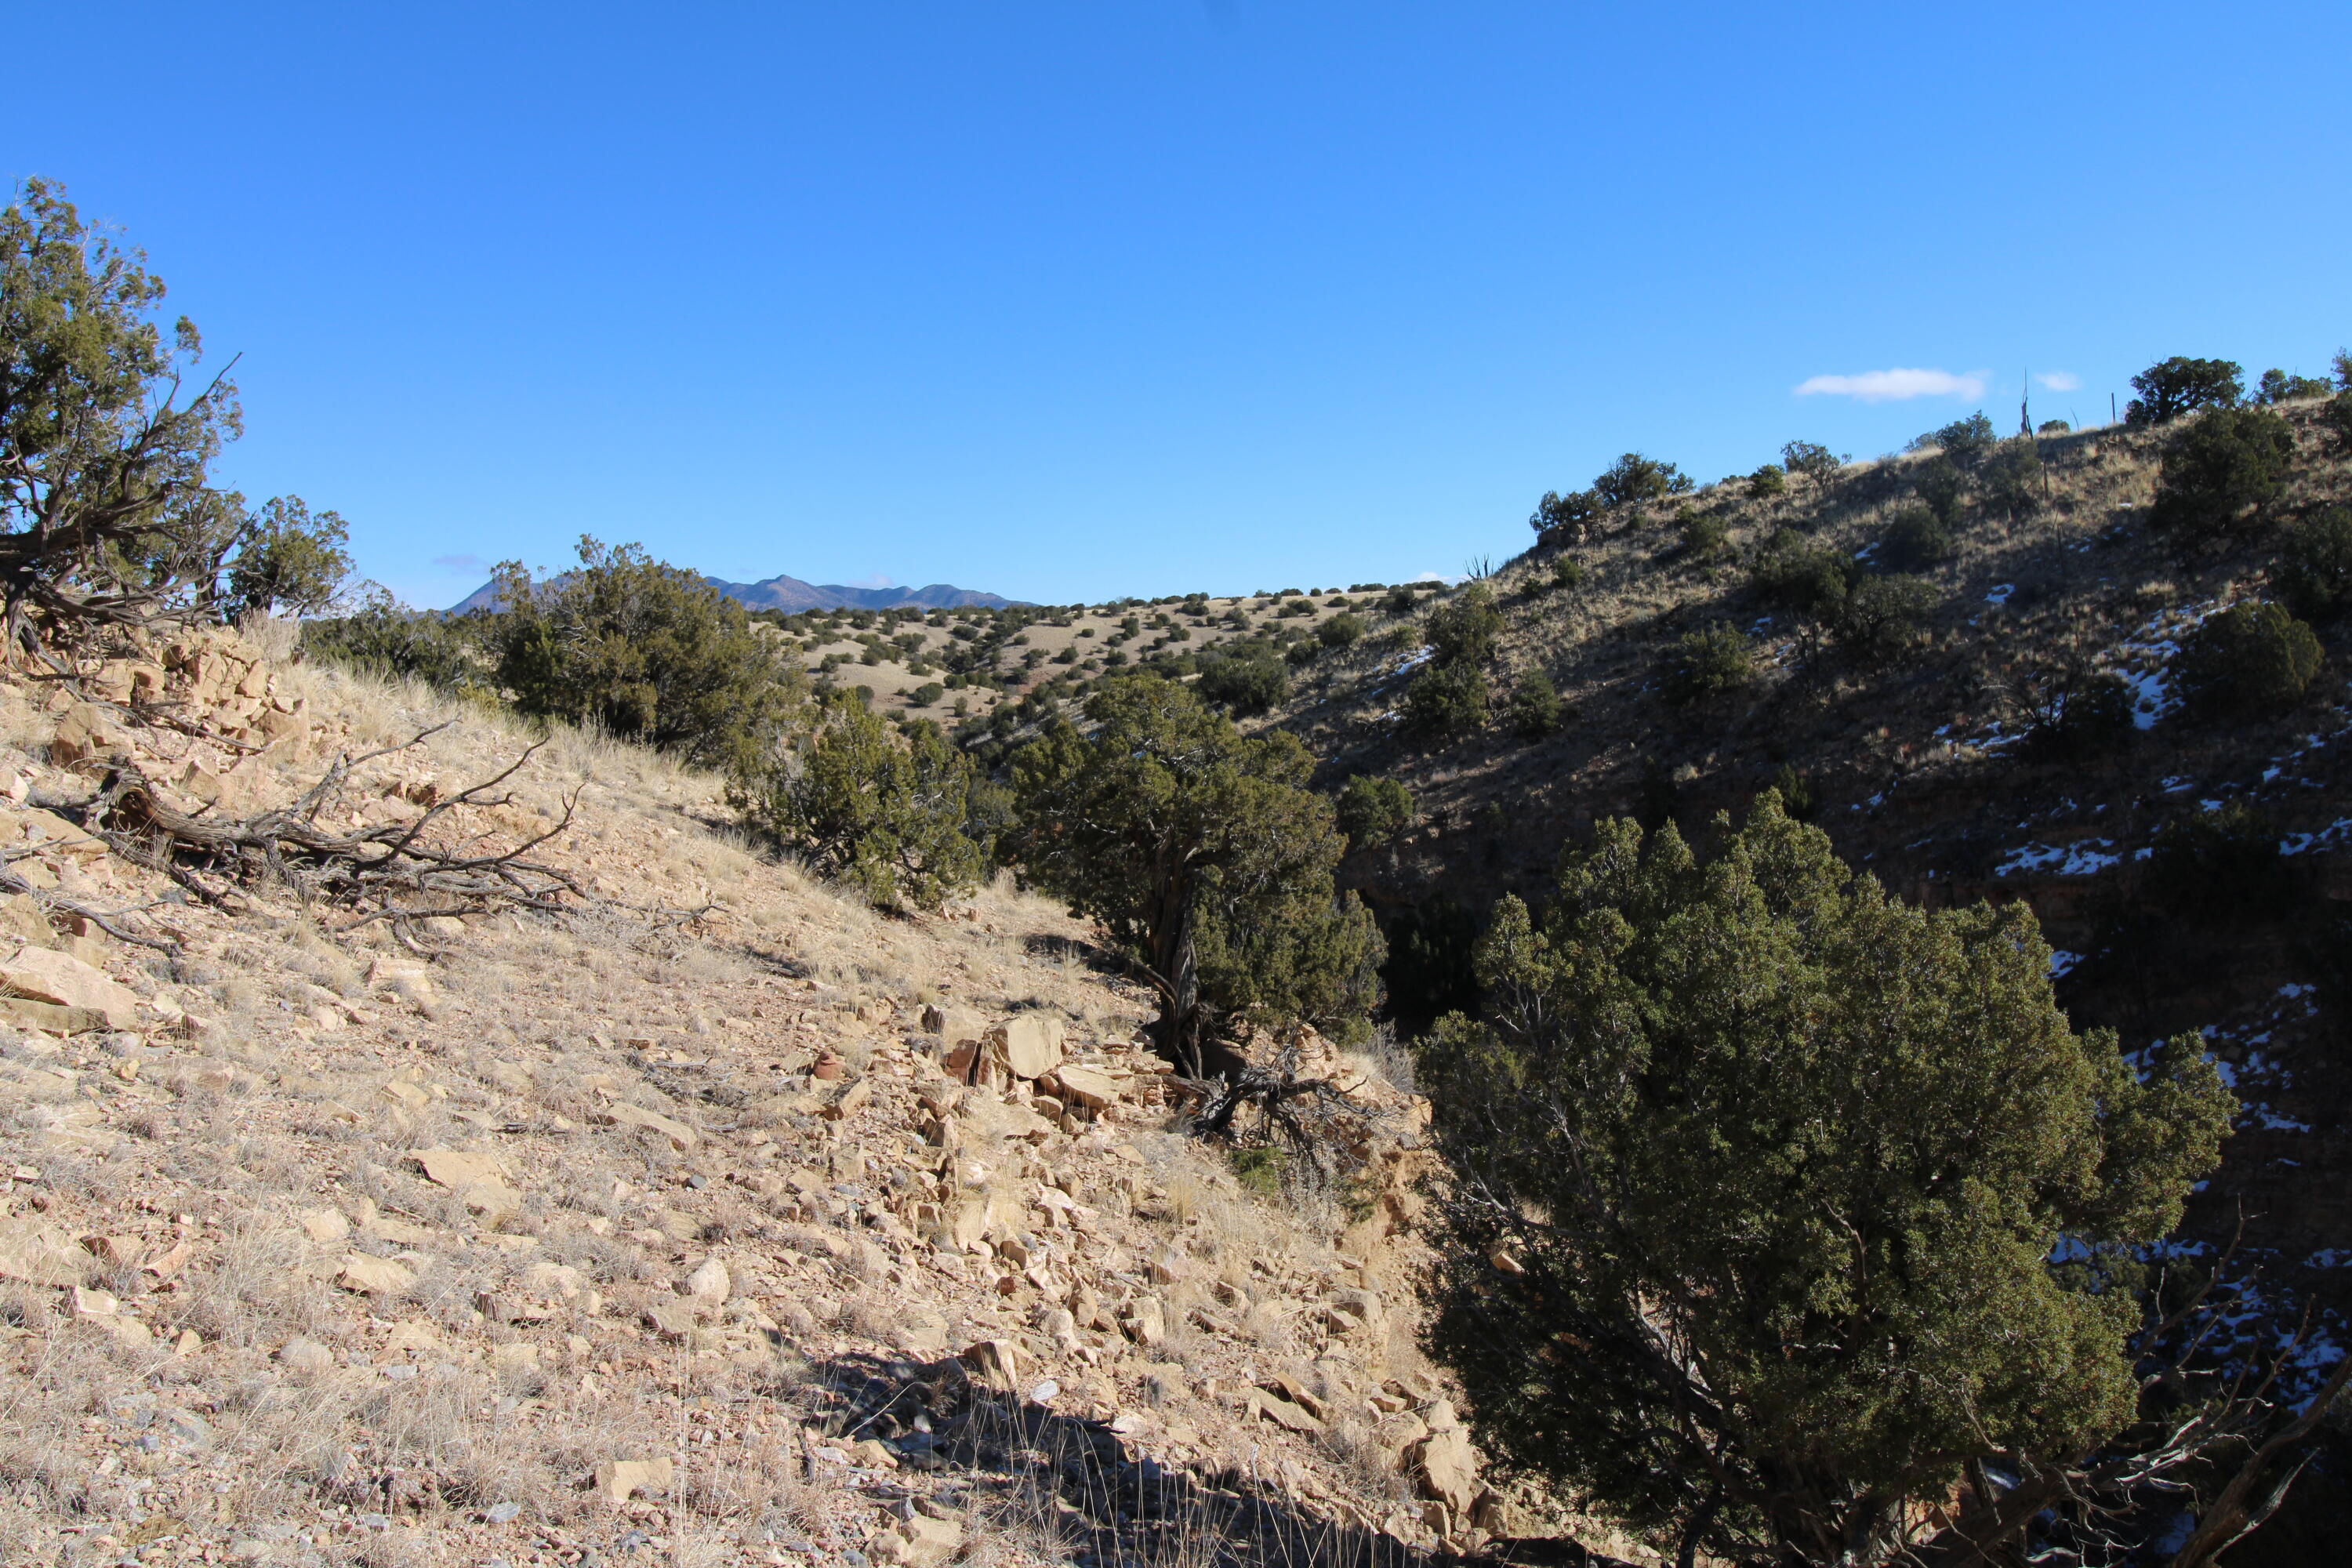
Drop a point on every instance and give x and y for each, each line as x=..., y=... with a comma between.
x=1176, y=1033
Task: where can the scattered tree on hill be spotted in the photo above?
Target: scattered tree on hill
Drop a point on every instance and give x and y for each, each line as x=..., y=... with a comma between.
x=1770, y=483
x=1446, y=700
x=2249, y=659
x=1465, y=628
x=105, y=512
x=1704, y=536
x=648, y=652
x=2315, y=569
x=288, y=559
x=1567, y=572
x=2053, y=427
x=2080, y=711
x=1710, y=663
x=379, y=636
x=1371, y=811
x=884, y=815
x=1204, y=858
x=2172, y=387
x=2011, y=477
x=2337, y=417
x=2221, y=474
x=1634, y=480
x=1342, y=631
x=1883, y=616
x=1817, y=463
x=2278, y=386
x=1734, y=1248
x=1915, y=540
x=1248, y=680
x=1535, y=709
x=1564, y=516
x=1962, y=442
x=1941, y=485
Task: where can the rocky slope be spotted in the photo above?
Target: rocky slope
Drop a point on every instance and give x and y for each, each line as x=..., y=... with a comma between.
x=717, y=1217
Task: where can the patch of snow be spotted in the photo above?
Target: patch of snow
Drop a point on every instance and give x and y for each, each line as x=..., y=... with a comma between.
x=1999, y=596
x=2063, y=962
x=2083, y=859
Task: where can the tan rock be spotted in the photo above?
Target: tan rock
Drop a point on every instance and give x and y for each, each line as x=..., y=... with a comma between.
x=1448, y=1469
x=1088, y=1087
x=711, y=1283
x=681, y=1136
x=1032, y=1045
x=87, y=1303
x=325, y=1227
x=929, y=1541
x=995, y=1362
x=39, y=1254
x=1290, y=1417
x=1147, y=1322
x=41, y=974
x=374, y=1276
x=404, y=1094
x=954, y=1025
x=618, y=1480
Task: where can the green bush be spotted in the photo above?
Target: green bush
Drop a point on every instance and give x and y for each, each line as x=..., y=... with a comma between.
x=1760, y=1180
x=1797, y=797
x=2172, y=387
x=1634, y=480
x=2222, y=866
x=1244, y=682
x=926, y=694
x=2053, y=427
x=1915, y=540
x=2337, y=417
x=648, y=652
x=1883, y=616
x=1535, y=709
x=1563, y=516
x=2314, y=568
x=1704, y=535
x=380, y=636
x=1342, y=631
x=883, y=816
x=2011, y=477
x=288, y=559
x=1941, y=485
x=1790, y=575
x=1961, y=442
x=2092, y=719
x=2249, y=659
x=2221, y=474
x=1567, y=572
x=1372, y=811
x=1400, y=600
x=1465, y=628
x=1816, y=462
x=1710, y=663
x=1446, y=700
x=1768, y=483
x=2278, y=386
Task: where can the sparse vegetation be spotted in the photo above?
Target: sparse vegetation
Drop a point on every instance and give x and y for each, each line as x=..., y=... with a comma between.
x=2249, y=659
x=2222, y=473
x=1372, y=811
x=1707, y=664
x=2314, y=568
x=2173, y=387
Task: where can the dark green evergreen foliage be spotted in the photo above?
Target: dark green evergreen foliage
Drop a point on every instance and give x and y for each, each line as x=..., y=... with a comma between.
x=1883, y=618
x=2091, y=719
x=1704, y=535
x=2053, y=427
x=1303, y=651
x=883, y=814
x=288, y=559
x=105, y=509
x=1342, y=631
x=2314, y=568
x=1811, y=581
x=1432, y=969
x=1916, y=538
x=925, y=695
x=1567, y=574
x=380, y=636
x=1465, y=628
x=1373, y=811
x=1446, y=700
x=1247, y=682
x=1558, y=515
x=1961, y=442
x=2172, y=387
x=2222, y=868
x=1770, y=483
x=2280, y=386
x=2250, y=658
x=1535, y=709
x=2222, y=473
x=1941, y=485
x=1816, y=462
x=1634, y=480
x=1707, y=664
x=2011, y=477
x=646, y=651
x=1796, y=793
x=1206, y=858
x=1400, y=600
x=1778, y=1166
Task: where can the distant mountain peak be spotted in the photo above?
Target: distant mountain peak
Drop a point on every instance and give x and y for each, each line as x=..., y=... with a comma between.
x=792, y=595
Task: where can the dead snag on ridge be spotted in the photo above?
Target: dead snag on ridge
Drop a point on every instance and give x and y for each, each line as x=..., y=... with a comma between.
x=397, y=872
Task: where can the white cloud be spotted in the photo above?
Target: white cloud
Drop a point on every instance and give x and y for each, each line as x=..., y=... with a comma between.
x=1895, y=385
x=2061, y=380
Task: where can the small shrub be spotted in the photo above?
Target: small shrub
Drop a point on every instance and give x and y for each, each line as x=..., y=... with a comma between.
x=1633, y=479
x=1466, y=629
x=1792, y=575
x=1916, y=540
x=1707, y=664
x=1797, y=800
x=2172, y=387
x=1342, y=631
x=1567, y=572
x=923, y=696
x=2249, y=659
x=1243, y=683
x=1301, y=652
x=2222, y=473
x=2011, y=477
x=2278, y=386
x=381, y=637
x=1940, y=484
x=2093, y=719
x=1883, y=616
x=2315, y=569
x=2053, y=427
x=2222, y=866
x=1400, y=600
x=1704, y=535
x=1961, y=442
x=1372, y=811
x=1446, y=700
x=1564, y=516
x=886, y=817
x=2337, y=417
x=1768, y=483
x=1535, y=709
x=1815, y=461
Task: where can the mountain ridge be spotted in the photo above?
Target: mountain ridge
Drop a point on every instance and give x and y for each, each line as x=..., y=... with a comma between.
x=790, y=595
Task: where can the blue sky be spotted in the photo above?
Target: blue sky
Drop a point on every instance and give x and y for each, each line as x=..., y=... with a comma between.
x=1069, y=301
